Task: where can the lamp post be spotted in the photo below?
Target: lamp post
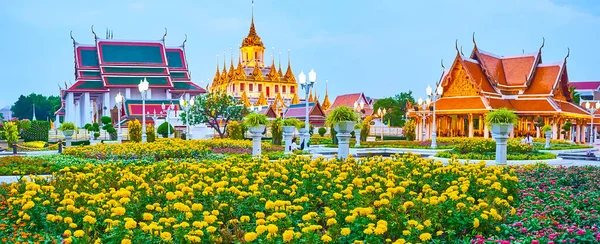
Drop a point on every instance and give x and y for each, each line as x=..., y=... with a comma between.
x=143, y=87
x=187, y=105
x=424, y=113
x=592, y=111
x=119, y=100
x=168, y=109
x=434, y=96
x=312, y=77
x=154, y=117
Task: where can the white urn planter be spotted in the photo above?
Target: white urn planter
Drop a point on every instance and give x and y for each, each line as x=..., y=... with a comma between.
x=357, y=137
x=288, y=133
x=548, y=135
x=256, y=133
x=343, y=129
x=501, y=134
x=68, y=135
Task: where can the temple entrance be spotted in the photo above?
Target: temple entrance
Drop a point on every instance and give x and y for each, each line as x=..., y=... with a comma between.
x=268, y=91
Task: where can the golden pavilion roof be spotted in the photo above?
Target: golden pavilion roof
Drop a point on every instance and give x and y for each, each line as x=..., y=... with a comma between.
x=252, y=39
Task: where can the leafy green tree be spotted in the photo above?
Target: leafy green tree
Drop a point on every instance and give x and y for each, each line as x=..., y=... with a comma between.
x=44, y=106
x=277, y=131
x=575, y=95
x=213, y=107
x=396, y=107
x=164, y=129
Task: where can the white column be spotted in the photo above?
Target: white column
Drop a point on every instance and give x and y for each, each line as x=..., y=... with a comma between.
x=77, y=114
x=127, y=93
x=149, y=95
x=70, y=108
x=169, y=96
x=106, y=103
x=86, y=103
x=554, y=129
x=471, y=126
x=417, y=129
x=486, y=132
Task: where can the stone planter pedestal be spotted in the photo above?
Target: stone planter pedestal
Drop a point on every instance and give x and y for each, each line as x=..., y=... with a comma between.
x=303, y=141
x=357, y=136
x=68, y=135
x=343, y=130
x=501, y=134
x=288, y=133
x=257, y=135
x=548, y=135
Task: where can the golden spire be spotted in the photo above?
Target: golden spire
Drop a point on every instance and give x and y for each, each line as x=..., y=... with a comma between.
x=273, y=72
x=252, y=39
x=257, y=73
x=217, y=74
x=289, y=75
x=231, y=68
x=262, y=100
x=245, y=100
x=224, y=73
x=295, y=99
x=279, y=72
x=311, y=98
x=326, y=103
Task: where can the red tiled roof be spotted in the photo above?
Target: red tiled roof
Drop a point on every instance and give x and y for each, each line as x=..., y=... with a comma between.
x=571, y=108
x=478, y=76
x=460, y=103
x=521, y=105
x=544, y=80
x=347, y=100
x=585, y=85
x=493, y=65
x=517, y=69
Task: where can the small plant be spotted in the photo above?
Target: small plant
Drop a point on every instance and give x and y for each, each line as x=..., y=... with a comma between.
x=291, y=122
x=300, y=125
x=87, y=126
x=67, y=126
x=11, y=133
x=150, y=133
x=235, y=130
x=135, y=130
x=409, y=130
x=106, y=120
x=547, y=128
x=96, y=135
x=255, y=119
x=322, y=131
x=277, y=131
x=366, y=128
x=501, y=116
x=164, y=129
x=311, y=129
x=340, y=114
x=357, y=126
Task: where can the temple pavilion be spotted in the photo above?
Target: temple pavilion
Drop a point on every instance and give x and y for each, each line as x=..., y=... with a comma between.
x=477, y=84
x=110, y=66
x=253, y=80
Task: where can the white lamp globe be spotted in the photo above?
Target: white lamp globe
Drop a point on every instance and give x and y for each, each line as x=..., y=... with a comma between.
x=428, y=90
x=302, y=77
x=312, y=76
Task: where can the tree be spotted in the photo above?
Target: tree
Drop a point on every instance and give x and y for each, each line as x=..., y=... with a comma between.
x=396, y=107
x=44, y=106
x=574, y=95
x=2, y=117
x=214, y=107
x=409, y=130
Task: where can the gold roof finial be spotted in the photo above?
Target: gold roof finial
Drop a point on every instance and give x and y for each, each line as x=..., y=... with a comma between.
x=289, y=75
x=326, y=102
x=217, y=74
x=252, y=39
x=279, y=70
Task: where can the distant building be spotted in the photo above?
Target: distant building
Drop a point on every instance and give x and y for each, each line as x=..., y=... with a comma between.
x=587, y=90
x=349, y=100
x=6, y=113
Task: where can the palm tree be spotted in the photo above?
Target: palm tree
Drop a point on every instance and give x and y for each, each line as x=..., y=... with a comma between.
x=574, y=95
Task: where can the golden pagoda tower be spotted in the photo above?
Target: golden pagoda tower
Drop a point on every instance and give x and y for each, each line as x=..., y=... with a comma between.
x=253, y=76
x=326, y=103
x=262, y=100
x=245, y=100
x=295, y=99
x=311, y=98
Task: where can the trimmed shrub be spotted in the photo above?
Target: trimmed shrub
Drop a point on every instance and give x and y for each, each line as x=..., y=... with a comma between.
x=106, y=120
x=277, y=131
x=11, y=133
x=333, y=134
x=409, y=130
x=37, y=131
x=135, y=130
x=235, y=130
x=150, y=133
x=322, y=131
x=163, y=129
x=366, y=128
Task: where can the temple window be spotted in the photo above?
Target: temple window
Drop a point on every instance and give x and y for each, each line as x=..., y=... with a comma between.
x=292, y=89
x=242, y=87
x=259, y=87
x=250, y=86
x=276, y=88
x=233, y=87
x=283, y=89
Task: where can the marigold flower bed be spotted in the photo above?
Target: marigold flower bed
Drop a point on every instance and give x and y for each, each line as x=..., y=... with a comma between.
x=241, y=200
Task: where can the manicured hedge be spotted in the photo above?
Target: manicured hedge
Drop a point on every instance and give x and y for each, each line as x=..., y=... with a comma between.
x=38, y=131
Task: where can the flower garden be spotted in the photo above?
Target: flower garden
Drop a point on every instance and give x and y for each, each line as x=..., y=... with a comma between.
x=175, y=191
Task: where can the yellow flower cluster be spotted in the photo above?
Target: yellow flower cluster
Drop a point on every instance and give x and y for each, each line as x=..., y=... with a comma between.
x=374, y=200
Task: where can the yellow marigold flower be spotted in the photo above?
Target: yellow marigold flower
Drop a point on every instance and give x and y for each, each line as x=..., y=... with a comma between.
x=408, y=204
x=288, y=235
x=413, y=222
x=259, y=215
x=368, y=230
x=350, y=218
x=130, y=224
x=440, y=232
x=261, y=229
x=67, y=233
x=68, y=220
x=89, y=219
x=211, y=229
x=420, y=227
x=513, y=211
x=406, y=232
x=73, y=225
x=427, y=223
x=380, y=230
x=325, y=238
x=400, y=241
x=166, y=236
x=125, y=241
x=250, y=236
x=245, y=218
x=345, y=231
x=171, y=196
x=78, y=233
x=148, y=216
x=484, y=216
x=425, y=237
x=119, y=211
x=197, y=207
x=26, y=217
x=476, y=222
x=272, y=228
x=331, y=222
x=460, y=205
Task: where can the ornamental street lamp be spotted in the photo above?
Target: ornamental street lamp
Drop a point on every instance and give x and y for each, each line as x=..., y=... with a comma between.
x=423, y=114
x=154, y=117
x=312, y=77
x=143, y=87
x=434, y=96
x=168, y=110
x=119, y=101
x=592, y=111
x=381, y=113
x=187, y=105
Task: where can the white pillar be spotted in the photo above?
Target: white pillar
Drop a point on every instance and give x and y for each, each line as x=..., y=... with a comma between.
x=77, y=114
x=471, y=128
x=554, y=130
x=169, y=96
x=127, y=93
x=486, y=132
x=70, y=108
x=418, y=129
x=87, y=108
x=149, y=95
x=106, y=104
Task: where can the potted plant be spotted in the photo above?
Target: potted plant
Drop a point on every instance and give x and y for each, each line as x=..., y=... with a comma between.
x=256, y=123
x=342, y=119
x=67, y=128
x=502, y=122
x=547, y=129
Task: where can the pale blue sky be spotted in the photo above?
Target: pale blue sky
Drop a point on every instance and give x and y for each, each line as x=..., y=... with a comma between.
x=381, y=47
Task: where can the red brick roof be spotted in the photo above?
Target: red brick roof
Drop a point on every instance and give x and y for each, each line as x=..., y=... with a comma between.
x=517, y=69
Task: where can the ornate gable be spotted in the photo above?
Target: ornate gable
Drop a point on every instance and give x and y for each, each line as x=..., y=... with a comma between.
x=458, y=83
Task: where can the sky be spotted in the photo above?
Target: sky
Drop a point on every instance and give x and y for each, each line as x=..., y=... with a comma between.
x=380, y=47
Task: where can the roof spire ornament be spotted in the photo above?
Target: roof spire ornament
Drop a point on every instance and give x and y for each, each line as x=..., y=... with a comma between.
x=93, y=32
x=289, y=75
x=71, y=34
x=326, y=102
x=184, y=41
x=279, y=72
x=165, y=35
x=474, y=43
x=456, y=46
x=568, y=54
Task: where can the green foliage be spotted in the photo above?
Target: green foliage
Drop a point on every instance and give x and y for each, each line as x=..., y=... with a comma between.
x=38, y=131
x=547, y=128
x=333, y=134
x=300, y=125
x=135, y=130
x=106, y=120
x=291, y=122
x=409, y=130
x=96, y=135
x=339, y=114
x=574, y=95
x=11, y=133
x=566, y=128
x=24, y=124
x=150, y=133
x=396, y=107
x=255, y=119
x=213, y=107
x=322, y=131
x=44, y=106
x=277, y=131
x=501, y=116
x=164, y=129
x=87, y=126
x=67, y=126
x=492, y=156
x=358, y=126
x=539, y=122
x=366, y=128
x=311, y=129
x=235, y=130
